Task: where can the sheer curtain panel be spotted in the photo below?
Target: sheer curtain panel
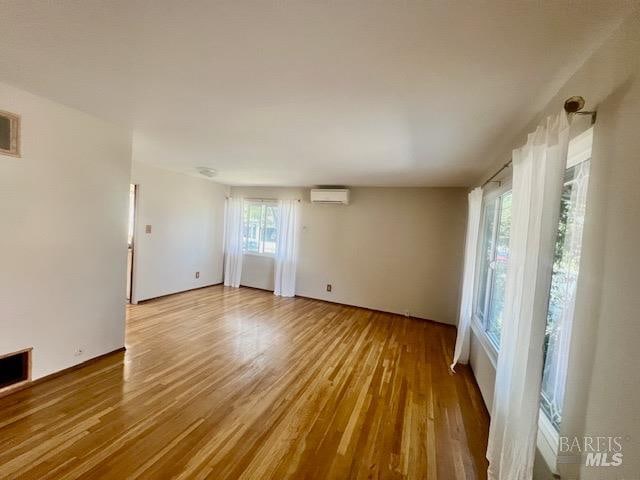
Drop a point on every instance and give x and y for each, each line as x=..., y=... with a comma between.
x=538, y=172
x=461, y=351
x=287, y=248
x=233, y=223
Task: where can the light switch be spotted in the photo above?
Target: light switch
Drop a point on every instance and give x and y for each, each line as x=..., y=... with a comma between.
x=147, y=229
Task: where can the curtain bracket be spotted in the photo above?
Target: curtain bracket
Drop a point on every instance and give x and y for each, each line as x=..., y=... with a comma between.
x=574, y=106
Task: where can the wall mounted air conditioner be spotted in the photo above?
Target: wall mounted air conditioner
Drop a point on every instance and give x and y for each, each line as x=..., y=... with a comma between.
x=330, y=195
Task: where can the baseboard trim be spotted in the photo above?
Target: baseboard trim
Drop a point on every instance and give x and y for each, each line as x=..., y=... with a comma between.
x=376, y=310
x=177, y=293
x=309, y=298
x=257, y=288
x=59, y=373
x=354, y=306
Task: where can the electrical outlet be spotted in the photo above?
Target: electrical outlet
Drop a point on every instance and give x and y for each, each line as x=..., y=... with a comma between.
x=78, y=352
x=328, y=287
x=147, y=229
x=197, y=274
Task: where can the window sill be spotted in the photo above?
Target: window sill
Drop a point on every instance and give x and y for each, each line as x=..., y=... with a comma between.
x=548, y=441
x=254, y=254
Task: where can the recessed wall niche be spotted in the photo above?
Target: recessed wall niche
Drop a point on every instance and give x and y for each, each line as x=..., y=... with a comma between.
x=9, y=134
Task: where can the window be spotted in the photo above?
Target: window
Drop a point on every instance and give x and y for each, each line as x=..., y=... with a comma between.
x=260, y=227
x=566, y=264
x=9, y=134
x=493, y=257
x=493, y=260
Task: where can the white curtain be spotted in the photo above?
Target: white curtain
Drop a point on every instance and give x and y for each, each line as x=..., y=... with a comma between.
x=287, y=248
x=233, y=223
x=461, y=351
x=538, y=171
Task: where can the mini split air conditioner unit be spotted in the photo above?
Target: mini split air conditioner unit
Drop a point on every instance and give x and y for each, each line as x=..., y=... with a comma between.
x=330, y=195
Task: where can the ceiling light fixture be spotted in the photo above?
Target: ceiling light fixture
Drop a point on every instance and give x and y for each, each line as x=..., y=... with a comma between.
x=207, y=172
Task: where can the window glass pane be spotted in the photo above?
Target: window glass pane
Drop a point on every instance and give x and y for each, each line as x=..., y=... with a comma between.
x=252, y=222
x=485, y=256
x=260, y=227
x=499, y=268
x=5, y=133
x=270, y=229
x=564, y=278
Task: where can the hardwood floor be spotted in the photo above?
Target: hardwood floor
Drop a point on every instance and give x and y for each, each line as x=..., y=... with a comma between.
x=237, y=383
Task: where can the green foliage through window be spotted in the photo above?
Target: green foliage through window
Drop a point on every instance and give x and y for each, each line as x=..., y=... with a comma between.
x=493, y=262
x=260, y=227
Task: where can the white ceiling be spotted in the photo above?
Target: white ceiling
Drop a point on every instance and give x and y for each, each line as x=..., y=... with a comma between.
x=321, y=92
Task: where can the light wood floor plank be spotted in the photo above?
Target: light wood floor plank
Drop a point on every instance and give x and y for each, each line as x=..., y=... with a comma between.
x=228, y=383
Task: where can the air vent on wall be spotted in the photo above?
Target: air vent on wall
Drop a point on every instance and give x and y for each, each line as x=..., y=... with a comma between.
x=15, y=370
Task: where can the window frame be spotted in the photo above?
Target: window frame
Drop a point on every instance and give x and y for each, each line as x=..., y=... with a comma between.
x=263, y=203
x=580, y=150
x=548, y=439
x=14, y=121
x=478, y=324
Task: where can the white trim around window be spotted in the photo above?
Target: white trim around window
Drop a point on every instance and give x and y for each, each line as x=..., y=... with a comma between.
x=580, y=148
x=260, y=228
x=487, y=345
x=479, y=325
x=257, y=254
x=547, y=441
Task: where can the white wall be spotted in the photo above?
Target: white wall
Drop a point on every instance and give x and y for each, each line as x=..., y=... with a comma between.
x=603, y=387
x=483, y=369
x=63, y=211
x=186, y=215
x=391, y=249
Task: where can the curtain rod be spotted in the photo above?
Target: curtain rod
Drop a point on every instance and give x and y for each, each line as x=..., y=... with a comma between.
x=506, y=165
x=573, y=106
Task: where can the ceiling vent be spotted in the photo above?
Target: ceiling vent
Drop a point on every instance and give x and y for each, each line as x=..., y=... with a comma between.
x=339, y=196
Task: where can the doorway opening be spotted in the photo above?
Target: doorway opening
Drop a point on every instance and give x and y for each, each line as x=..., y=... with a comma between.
x=133, y=190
